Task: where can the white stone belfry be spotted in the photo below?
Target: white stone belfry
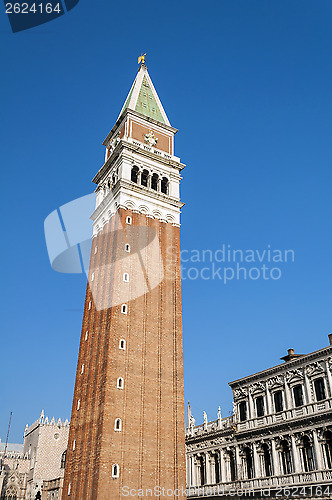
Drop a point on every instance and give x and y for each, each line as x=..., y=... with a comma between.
x=140, y=172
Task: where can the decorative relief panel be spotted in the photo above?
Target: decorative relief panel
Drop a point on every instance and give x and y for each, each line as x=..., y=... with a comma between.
x=295, y=375
x=315, y=369
x=275, y=382
x=257, y=387
x=240, y=393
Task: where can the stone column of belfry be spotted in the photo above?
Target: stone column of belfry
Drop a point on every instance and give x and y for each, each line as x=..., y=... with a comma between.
x=127, y=424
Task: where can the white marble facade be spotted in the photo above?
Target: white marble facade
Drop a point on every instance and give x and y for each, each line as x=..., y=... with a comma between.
x=279, y=435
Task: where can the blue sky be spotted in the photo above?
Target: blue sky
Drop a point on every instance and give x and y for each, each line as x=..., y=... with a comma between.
x=248, y=85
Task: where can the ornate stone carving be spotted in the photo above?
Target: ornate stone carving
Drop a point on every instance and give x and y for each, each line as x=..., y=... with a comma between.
x=205, y=418
x=257, y=387
x=151, y=139
x=294, y=375
x=113, y=143
x=314, y=369
x=242, y=392
x=277, y=381
x=300, y=435
x=279, y=439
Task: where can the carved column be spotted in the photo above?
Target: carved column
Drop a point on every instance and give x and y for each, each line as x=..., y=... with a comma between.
x=275, y=459
x=268, y=399
x=329, y=376
x=222, y=466
x=212, y=467
x=227, y=469
x=193, y=471
x=238, y=463
x=251, y=405
x=189, y=470
x=318, y=451
x=207, y=468
x=257, y=465
x=307, y=387
x=288, y=397
x=296, y=457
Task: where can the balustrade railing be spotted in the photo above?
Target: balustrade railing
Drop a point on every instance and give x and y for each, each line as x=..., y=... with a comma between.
x=266, y=420
x=322, y=477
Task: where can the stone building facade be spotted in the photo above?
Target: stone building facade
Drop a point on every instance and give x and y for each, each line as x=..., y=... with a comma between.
x=13, y=472
x=277, y=442
x=35, y=469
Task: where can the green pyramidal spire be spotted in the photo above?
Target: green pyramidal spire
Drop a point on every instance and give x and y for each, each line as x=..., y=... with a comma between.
x=144, y=99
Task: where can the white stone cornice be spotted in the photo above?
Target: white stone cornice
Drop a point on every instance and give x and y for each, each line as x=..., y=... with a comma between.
x=282, y=368
x=130, y=147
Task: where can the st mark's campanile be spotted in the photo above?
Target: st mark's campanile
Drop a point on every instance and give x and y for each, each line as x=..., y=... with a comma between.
x=127, y=422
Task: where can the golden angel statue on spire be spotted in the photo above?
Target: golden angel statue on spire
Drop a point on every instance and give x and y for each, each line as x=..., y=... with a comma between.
x=141, y=58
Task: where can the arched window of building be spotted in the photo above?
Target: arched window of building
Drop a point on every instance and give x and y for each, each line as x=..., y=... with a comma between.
x=249, y=466
x=124, y=309
x=118, y=425
x=327, y=449
x=127, y=247
x=120, y=383
x=134, y=174
x=307, y=455
x=266, y=461
x=122, y=344
x=286, y=458
x=115, y=470
x=144, y=178
x=126, y=277
x=319, y=389
x=128, y=220
x=298, y=395
x=164, y=185
x=63, y=459
x=154, y=182
x=11, y=493
x=260, y=406
x=243, y=411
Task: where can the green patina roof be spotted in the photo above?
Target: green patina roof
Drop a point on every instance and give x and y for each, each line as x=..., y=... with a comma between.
x=126, y=104
x=144, y=99
x=146, y=103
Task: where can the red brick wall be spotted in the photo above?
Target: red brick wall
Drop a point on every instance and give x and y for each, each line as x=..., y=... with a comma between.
x=150, y=448
x=138, y=132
